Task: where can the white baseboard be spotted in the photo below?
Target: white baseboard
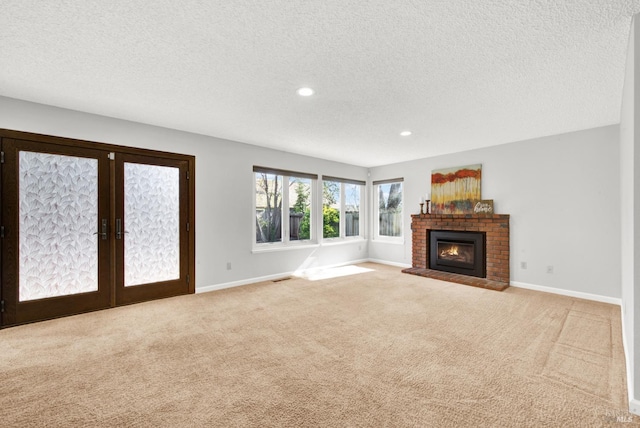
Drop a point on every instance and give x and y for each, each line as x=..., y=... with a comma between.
x=385, y=262
x=634, y=407
x=247, y=281
x=570, y=293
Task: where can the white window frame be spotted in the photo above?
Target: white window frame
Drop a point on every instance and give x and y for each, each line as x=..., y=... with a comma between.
x=376, y=212
x=342, y=228
x=285, y=242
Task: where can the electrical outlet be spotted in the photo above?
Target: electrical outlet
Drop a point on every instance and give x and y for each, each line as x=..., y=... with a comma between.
x=228, y=265
x=549, y=269
x=523, y=265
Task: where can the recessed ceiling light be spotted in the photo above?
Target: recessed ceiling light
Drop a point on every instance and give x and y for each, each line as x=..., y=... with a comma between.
x=405, y=133
x=305, y=92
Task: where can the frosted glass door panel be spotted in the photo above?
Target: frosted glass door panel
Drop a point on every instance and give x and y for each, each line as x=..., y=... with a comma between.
x=58, y=216
x=152, y=223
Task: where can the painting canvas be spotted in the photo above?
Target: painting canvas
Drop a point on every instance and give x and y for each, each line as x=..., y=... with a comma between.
x=455, y=190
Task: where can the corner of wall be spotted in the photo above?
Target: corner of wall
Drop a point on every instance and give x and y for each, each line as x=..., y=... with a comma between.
x=630, y=214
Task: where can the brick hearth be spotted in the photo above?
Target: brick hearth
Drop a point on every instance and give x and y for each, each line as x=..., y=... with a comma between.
x=496, y=227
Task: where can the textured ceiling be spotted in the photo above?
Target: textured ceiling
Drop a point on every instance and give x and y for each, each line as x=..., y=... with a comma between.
x=458, y=74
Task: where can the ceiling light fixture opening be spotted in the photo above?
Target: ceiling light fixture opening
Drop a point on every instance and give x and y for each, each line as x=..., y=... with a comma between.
x=305, y=92
x=405, y=133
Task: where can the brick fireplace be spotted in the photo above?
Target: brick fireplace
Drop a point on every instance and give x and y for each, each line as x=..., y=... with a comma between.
x=496, y=230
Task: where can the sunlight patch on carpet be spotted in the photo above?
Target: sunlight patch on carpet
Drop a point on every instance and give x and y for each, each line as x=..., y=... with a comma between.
x=337, y=272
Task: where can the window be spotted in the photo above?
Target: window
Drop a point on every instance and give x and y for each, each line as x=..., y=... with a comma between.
x=300, y=190
x=341, y=200
x=268, y=207
x=330, y=209
x=389, y=206
x=278, y=192
x=352, y=193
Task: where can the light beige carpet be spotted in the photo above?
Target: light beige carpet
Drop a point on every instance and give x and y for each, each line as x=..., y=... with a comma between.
x=379, y=348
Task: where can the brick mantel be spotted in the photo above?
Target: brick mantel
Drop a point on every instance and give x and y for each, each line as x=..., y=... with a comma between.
x=496, y=228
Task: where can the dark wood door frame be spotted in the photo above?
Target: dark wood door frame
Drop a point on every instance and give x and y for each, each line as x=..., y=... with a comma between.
x=11, y=313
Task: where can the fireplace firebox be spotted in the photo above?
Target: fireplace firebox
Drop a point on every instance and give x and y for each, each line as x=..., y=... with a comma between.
x=458, y=252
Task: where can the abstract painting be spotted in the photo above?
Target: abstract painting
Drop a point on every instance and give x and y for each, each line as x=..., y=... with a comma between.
x=455, y=190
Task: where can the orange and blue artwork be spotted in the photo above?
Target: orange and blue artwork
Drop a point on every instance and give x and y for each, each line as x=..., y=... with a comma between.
x=455, y=190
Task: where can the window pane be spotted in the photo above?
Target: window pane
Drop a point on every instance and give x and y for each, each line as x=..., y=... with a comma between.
x=300, y=210
x=330, y=209
x=152, y=223
x=351, y=209
x=58, y=214
x=268, y=207
x=390, y=209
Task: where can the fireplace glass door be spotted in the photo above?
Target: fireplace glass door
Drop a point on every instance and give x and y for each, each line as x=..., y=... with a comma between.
x=457, y=252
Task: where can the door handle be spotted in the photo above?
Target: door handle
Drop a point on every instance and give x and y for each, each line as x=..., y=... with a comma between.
x=119, y=231
x=103, y=234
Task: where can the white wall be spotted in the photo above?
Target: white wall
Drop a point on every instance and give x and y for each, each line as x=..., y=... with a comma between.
x=562, y=193
x=630, y=213
x=224, y=188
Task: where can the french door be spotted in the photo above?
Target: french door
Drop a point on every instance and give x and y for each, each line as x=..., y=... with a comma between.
x=151, y=218
x=87, y=226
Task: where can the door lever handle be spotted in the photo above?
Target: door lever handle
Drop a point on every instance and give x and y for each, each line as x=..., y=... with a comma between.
x=119, y=231
x=103, y=234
